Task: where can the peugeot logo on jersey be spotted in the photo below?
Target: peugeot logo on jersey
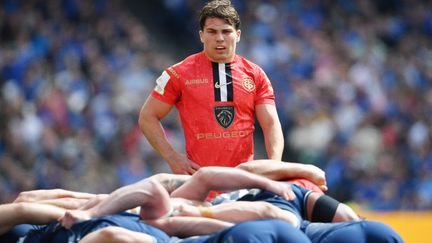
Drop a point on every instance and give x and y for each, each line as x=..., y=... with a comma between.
x=224, y=115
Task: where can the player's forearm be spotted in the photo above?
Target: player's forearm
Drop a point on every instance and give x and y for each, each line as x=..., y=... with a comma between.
x=150, y=116
x=219, y=178
x=170, y=181
x=40, y=195
x=148, y=194
x=28, y=213
x=56, y=197
x=272, y=130
x=274, y=141
x=273, y=169
x=238, y=211
x=189, y=226
x=120, y=200
x=155, y=134
x=277, y=170
x=66, y=203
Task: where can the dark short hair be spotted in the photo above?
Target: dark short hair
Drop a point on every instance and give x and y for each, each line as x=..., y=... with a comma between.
x=221, y=9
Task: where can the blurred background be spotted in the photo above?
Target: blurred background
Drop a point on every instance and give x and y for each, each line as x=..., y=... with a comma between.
x=353, y=83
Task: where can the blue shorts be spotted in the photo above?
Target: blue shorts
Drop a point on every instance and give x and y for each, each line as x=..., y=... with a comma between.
x=257, y=231
x=296, y=206
x=56, y=234
x=355, y=231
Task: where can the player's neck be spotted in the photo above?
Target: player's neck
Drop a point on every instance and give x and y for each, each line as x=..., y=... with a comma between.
x=220, y=60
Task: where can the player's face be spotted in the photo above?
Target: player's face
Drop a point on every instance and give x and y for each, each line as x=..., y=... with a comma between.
x=219, y=39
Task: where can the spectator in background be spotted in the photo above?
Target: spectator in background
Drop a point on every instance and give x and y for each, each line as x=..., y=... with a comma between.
x=218, y=94
x=70, y=96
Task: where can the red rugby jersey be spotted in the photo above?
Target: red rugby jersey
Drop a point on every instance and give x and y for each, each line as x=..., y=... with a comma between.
x=307, y=184
x=216, y=103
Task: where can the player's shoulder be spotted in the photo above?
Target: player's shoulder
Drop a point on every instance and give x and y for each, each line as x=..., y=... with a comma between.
x=191, y=60
x=183, y=67
x=246, y=63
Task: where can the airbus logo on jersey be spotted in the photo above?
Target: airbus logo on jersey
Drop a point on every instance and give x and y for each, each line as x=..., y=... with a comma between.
x=196, y=81
x=218, y=86
x=224, y=115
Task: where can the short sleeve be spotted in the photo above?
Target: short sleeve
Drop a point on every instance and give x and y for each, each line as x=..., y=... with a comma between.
x=265, y=93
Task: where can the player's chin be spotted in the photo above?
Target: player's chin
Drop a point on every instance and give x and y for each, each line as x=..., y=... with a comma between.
x=218, y=54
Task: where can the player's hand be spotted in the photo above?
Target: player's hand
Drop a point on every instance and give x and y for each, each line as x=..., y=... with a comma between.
x=282, y=189
x=72, y=217
x=182, y=165
x=317, y=176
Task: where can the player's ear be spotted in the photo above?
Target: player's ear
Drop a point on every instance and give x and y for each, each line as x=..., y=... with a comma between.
x=238, y=35
x=200, y=35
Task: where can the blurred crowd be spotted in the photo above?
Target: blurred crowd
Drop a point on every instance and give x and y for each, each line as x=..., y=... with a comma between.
x=353, y=83
x=74, y=75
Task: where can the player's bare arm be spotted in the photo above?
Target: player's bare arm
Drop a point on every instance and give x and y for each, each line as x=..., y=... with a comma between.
x=151, y=114
x=39, y=195
x=225, y=178
x=239, y=211
x=148, y=194
x=189, y=226
x=279, y=170
x=269, y=121
x=171, y=182
x=27, y=212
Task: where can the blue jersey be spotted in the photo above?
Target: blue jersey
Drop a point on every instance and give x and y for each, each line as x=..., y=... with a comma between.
x=55, y=233
x=362, y=231
x=264, y=230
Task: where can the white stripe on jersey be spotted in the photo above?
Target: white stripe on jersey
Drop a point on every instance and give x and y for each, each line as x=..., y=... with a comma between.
x=223, y=82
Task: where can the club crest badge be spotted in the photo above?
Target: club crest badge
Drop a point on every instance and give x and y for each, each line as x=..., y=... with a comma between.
x=248, y=84
x=224, y=115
